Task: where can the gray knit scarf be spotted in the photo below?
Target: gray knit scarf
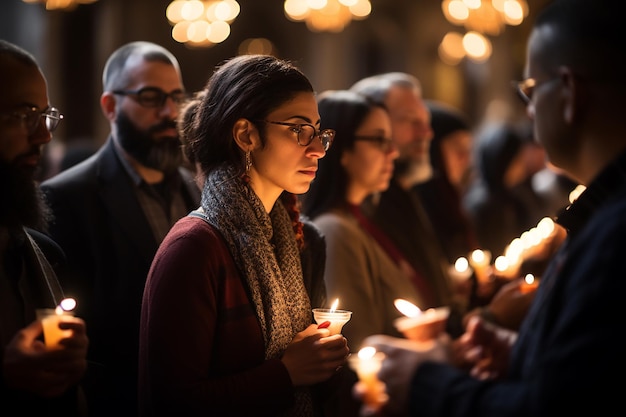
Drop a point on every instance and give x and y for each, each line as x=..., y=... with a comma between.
x=265, y=250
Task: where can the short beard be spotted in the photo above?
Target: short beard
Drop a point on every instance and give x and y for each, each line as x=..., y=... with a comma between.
x=24, y=205
x=163, y=154
x=412, y=172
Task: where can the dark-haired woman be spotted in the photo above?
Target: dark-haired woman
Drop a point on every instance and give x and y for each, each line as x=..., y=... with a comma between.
x=226, y=325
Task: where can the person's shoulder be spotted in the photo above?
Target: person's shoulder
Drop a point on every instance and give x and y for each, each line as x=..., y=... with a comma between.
x=310, y=229
x=79, y=173
x=50, y=248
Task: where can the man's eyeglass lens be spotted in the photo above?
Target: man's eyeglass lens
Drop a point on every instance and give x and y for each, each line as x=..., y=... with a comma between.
x=153, y=97
x=31, y=118
x=525, y=89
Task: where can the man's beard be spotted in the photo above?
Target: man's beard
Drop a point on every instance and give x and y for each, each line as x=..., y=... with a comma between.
x=163, y=154
x=414, y=171
x=23, y=202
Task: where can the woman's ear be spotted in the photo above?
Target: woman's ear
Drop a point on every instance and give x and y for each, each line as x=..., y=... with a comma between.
x=246, y=135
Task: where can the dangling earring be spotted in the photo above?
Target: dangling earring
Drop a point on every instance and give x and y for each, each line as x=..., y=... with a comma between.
x=248, y=165
x=248, y=162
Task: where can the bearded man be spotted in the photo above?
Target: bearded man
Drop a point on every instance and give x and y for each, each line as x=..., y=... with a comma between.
x=111, y=212
x=34, y=379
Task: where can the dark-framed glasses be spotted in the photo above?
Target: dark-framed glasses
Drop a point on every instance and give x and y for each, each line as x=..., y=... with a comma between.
x=526, y=88
x=383, y=143
x=305, y=133
x=31, y=118
x=153, y=97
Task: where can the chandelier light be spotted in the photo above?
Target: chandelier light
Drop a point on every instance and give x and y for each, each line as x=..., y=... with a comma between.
x=201, y=23
x=480, y=18
x=60, y=4
x=327, y=15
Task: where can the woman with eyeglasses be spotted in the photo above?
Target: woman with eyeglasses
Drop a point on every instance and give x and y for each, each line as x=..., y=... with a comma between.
x=363, y=268
x=226, y=326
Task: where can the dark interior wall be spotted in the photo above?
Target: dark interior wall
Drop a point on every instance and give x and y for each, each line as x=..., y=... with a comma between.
x=400, y=35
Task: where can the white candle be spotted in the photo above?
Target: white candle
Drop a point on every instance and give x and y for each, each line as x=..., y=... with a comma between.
x=332, y=318
x=366, y=364
x=50, y=320
x=420, y=325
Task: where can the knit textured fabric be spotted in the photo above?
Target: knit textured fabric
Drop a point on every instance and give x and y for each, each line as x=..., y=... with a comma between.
x=264, y=247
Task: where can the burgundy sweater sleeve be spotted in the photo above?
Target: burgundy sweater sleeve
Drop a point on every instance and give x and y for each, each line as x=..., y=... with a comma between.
x=201, y=347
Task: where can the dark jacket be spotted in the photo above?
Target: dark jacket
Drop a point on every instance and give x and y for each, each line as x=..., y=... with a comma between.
x=36, y=286
x=99, y=223
x=569, y=349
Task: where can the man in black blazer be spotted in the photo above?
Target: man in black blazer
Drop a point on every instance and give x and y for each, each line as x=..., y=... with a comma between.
x=111, y=211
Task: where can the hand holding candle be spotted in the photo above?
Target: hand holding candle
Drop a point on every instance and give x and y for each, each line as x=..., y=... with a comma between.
x=529, y=284
x=50, y=320
x=332, y=318
x=481, y=263
x=418, y=325
x=366, y=364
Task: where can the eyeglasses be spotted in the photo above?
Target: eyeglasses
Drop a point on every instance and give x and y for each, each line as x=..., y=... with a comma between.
x=383, y=143
x=527, y=87
x=153, y=97
x=32, y=117
x=305, y=133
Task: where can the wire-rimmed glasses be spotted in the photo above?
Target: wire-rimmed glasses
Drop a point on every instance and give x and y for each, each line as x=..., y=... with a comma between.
x=32, y=117
x=305, y=133
x=153, y=97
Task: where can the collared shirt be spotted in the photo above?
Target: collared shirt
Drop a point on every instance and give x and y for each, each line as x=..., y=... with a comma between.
x=162, y=204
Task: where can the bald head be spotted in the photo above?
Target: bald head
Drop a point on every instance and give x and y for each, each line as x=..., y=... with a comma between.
x=116, y=75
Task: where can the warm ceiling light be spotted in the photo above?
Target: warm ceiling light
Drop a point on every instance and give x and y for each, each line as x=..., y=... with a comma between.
x=327, y=15
x=481, y=18
x=60, y=4
x=201, y=23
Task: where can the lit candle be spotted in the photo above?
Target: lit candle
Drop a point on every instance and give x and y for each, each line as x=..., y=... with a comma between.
x=331, y=318
x=529, y=284
x=366, y=364
x=50, y=319
x=420, y=325
x=460, y=271
x=480, y=261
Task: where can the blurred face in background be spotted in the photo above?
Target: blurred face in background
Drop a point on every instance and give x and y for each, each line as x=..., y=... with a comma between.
x=370, y=163
x=456, y=150
x=412, y=133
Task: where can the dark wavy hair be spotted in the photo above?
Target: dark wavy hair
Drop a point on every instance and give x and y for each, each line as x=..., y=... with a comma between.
x=343, y=111
x=248, y=87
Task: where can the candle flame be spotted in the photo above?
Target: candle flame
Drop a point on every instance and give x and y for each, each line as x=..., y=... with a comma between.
x=334, y=306
x=461, y=264
x=67, y=304
x=501, y=263
x=478, y=256
x=407, y=308
x=529, y=278
x=367, y=352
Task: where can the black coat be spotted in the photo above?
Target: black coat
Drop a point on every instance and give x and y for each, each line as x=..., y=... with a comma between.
x=99, y=223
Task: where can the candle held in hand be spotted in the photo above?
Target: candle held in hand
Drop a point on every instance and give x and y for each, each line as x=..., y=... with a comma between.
x=336, y=318
x=420, y=325
x=366, y=364
x=51, y=318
